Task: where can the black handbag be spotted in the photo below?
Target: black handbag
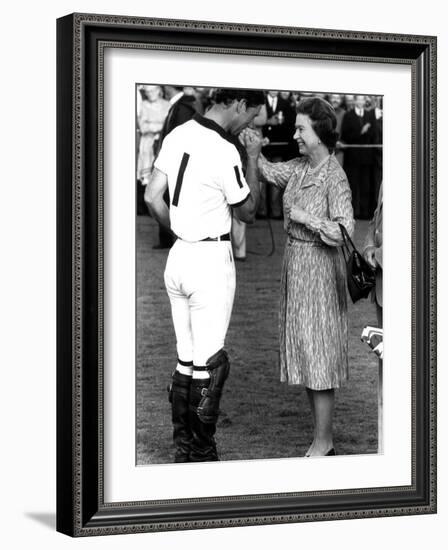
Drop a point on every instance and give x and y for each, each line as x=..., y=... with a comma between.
x=360, y=275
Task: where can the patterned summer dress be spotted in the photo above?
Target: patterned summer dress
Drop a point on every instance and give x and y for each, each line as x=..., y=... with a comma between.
x=313, y=305
x=151, y=117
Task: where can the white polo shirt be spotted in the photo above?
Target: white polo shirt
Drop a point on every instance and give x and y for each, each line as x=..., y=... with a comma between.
x=205, y=178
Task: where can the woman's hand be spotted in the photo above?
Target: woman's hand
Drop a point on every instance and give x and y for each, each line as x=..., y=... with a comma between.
x=253, y=142
x=298, y=215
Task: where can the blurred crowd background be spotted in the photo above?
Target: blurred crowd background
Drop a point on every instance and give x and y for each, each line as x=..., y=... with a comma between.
x=359, y=149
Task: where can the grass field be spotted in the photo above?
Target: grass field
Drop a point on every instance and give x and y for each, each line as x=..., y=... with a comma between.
x=261, y=418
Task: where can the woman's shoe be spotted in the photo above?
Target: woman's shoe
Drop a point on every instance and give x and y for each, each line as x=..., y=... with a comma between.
x=308, y=454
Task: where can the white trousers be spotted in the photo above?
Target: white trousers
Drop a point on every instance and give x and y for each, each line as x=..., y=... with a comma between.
x=200, y=281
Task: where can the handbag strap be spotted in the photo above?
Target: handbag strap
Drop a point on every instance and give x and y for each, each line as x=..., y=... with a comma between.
x=346, y=238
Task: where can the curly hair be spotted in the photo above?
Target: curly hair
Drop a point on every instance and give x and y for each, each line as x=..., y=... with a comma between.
x=323, y=119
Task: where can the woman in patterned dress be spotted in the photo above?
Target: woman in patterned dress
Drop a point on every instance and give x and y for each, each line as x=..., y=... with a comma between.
x=151, y=116
x=313, y=304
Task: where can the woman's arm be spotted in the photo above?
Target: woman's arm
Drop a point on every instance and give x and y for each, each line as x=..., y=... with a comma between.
x=154, y=126
x=340, y=212
x=143, y=118
x=276, y=173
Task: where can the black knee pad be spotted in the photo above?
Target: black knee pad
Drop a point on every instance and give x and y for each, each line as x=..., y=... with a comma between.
x=218, y=367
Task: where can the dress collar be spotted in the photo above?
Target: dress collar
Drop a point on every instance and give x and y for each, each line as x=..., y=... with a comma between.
x=317, y=175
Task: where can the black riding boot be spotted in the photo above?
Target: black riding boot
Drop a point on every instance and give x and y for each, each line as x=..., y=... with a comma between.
x=205, y=395
x=203, y=446
x=179, y=394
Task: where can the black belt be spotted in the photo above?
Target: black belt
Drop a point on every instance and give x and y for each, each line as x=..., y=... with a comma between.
x=225, y=237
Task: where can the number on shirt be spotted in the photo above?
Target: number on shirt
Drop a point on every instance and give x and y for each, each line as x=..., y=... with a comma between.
x=180, y=178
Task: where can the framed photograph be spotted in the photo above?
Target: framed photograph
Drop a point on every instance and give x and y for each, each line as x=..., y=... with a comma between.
x=213, y=373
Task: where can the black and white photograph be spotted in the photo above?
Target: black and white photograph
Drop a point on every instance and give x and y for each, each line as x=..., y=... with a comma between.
x=258, y=273
x=224, y=269
x=92, y=348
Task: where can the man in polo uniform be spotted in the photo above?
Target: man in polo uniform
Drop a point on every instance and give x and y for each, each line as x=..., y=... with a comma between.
x=201, y=167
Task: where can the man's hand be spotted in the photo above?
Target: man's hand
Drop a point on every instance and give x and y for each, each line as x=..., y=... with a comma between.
x=369, y=256
x=365, y=128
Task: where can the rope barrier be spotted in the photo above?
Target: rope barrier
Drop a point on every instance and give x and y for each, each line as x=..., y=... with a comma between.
x=360, y=146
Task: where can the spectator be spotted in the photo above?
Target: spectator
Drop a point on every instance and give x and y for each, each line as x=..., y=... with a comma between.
x=349, y=101
x=373, y=254
x=359, y=129
x=279, y=129
x=194, y=92
x=151, y=115
x=336, y=102
x=377, y=103
x=294, y=100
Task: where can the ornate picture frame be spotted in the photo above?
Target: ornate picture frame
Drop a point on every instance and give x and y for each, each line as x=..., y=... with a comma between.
x=81, y=507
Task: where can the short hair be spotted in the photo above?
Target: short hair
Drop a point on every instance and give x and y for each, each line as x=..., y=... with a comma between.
x=323, y=119
x=253, y=98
